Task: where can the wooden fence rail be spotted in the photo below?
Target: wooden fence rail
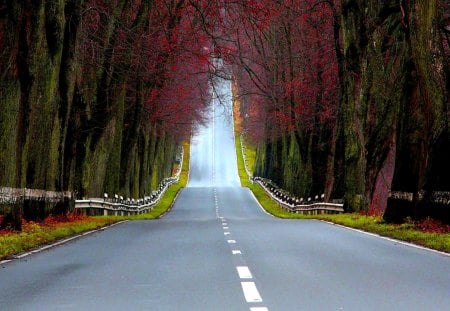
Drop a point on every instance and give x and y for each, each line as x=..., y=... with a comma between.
x=10, y=195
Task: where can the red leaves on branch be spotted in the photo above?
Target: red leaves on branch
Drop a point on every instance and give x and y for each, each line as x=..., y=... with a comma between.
x=160, y=45
x=176, y=71
x=285, y=62
x=282, y=55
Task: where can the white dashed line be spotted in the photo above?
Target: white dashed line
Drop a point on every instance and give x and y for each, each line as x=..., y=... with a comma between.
x=226, y=233
x=226, y=228
x=244, y=272
x=259, y=309
x=251, y=292
x=231, y=241
x=236, y=252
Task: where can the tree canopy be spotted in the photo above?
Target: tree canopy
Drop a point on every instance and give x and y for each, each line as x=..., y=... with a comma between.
x=342, y=97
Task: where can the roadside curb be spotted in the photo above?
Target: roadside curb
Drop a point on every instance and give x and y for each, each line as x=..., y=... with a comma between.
x=58, y=243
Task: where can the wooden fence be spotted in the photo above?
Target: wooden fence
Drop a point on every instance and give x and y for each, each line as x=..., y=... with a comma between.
x=10, y=195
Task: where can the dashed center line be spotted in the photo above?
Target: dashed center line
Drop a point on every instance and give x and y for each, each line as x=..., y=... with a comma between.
x=244, y=272
x=249, y=289
x=251, y=292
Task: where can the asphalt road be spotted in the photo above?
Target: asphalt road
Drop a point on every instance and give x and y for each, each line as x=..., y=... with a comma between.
x=217, y=250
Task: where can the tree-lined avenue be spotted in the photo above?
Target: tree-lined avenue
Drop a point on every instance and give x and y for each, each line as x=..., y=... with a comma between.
x=218, y=250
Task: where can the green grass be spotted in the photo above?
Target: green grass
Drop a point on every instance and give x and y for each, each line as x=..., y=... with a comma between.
x=404, y=232
x=169, y=196
x=35, y=235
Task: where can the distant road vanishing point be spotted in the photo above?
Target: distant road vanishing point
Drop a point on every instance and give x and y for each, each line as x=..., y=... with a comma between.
x=218, y=250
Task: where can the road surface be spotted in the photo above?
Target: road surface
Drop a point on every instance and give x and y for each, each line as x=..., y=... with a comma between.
x=217, y=250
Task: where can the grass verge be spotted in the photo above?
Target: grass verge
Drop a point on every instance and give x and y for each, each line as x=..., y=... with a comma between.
x=169, y=196
x=37, y=234
x=405, y=232
x=51, y=230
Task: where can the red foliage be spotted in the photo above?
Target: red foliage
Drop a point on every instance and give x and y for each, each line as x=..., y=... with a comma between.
x=179, y=59
x=432, y=226
x=56, y=219
x=285, y=62
x=50, y=221
x=160, y=46
x=282, y=53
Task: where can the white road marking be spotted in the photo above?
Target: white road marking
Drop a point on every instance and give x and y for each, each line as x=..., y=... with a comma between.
x=226, y=228
x=61, y=242
x=236, y=251
x=390, y=239
x=244, y=272
x=259, y=309
x=231, y=241
x=251, y=292
x=259, y=204
x=226, y=233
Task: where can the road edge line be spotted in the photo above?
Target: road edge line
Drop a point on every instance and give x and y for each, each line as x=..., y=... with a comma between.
x=259, y=204
x=405, y=243
x=361, y=231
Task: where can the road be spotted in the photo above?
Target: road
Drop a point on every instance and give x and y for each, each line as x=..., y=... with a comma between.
x=217, y=250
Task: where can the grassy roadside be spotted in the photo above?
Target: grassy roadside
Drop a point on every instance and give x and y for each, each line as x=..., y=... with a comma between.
x=405, y=232
x=169, y=196
x=34, y=235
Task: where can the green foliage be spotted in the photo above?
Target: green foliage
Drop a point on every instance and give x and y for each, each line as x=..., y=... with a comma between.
x=9, y=101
